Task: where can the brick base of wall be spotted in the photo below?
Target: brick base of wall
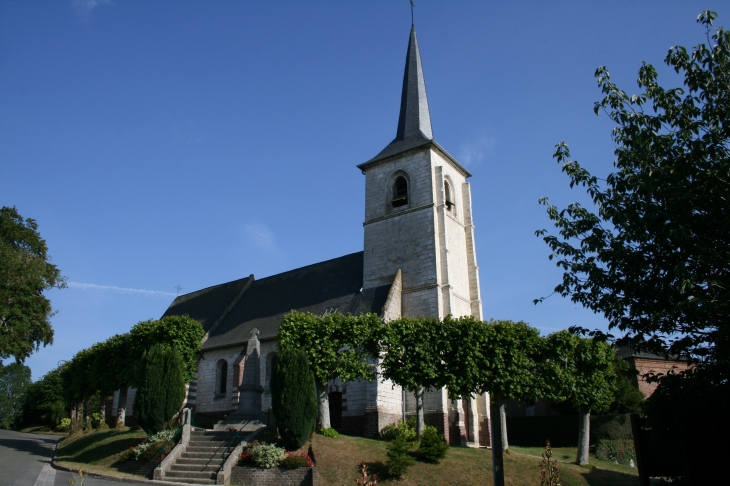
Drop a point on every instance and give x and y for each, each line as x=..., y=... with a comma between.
x=440, y=420
x=352, y=425
x=375, y=421
x=485, y=436
x=277, y=476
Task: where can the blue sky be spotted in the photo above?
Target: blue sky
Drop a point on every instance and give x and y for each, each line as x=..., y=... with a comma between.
x=189, y=143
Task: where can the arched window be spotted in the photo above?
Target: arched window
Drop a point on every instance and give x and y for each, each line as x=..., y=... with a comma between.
x=221, y=377
x=271, y=361
x=400, y=192
x=449, y=201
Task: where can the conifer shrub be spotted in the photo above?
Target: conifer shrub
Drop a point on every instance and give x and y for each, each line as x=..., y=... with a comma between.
x=399, y=458
x=162, y=390
x=433, y=446
x=294, y=397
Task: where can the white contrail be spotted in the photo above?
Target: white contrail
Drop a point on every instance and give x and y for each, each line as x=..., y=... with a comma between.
x=123, y=290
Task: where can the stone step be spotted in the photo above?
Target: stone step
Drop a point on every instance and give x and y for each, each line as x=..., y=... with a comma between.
x=196, y=462
x=195, y=455
x=215, y=436
x=191, y=475
x=209, y=443
x=192, y=480
x=195, y=468
x=208, y=449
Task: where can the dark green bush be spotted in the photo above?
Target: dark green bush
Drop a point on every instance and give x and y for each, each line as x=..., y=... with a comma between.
x=332, y=433
x=620, y=451
x=293, y=462
x=294, y=398
x=162, y=391
x=433, y=446
x=407, y=429
x=399, y=458
x=614, y=427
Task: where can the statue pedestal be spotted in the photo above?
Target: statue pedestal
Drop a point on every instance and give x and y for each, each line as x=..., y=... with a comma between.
x=249, y=401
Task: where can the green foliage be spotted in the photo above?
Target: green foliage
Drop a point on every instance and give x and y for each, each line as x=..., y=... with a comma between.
x=294, y=398
x=152, y=447
x=412, y=357
x=511, y=352
x=627, y=397
x=267, y=455
x=64, y=426
x=162, y=391
x=620, y=451
x=433, y=446
x=25, y=273
x=181, y=332
x=336, y=345
x=578, y=369
x=44, y=402
x=14, y=382
x=406, y=429
x=296, y=460
x=617, y=427
x=127, y=455
x=654, y=255
x=330, y=432
x=399, y=458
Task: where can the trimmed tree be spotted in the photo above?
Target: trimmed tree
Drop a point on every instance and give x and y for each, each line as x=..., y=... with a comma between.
x=162, y=390
x=412, y=357
x=510, y=355
x=336, y=345
x=580, y=370
x=294, y=397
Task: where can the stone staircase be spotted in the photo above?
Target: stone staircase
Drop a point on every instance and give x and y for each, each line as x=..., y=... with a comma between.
x=203, y=457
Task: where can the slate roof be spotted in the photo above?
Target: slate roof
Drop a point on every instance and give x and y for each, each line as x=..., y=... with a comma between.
x=333, y=285
x=206, y=305
x=414, y=121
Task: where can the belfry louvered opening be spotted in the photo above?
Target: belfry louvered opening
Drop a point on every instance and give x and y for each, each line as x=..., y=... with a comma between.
x=400, y=192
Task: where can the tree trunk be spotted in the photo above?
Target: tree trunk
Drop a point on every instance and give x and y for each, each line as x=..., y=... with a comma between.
x=102, y=411
x=87, y=413
x=420, y=421
x=497, y=451
x=72, y=417
x=323, y=398
x=122, y=407
x=503, y=420
x=584, y=434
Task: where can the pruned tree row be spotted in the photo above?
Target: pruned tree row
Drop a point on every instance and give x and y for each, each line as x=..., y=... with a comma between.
x=508, y=360
x=131, y=360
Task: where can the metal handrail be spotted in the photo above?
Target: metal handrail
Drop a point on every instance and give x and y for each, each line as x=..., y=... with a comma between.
x=238, y=432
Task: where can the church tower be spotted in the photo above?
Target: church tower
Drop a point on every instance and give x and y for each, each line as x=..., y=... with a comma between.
x=418, y=213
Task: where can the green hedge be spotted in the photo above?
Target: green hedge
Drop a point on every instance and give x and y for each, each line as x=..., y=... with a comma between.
x=562, y=430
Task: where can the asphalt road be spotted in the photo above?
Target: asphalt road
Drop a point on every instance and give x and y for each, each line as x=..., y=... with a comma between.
x=25, y=460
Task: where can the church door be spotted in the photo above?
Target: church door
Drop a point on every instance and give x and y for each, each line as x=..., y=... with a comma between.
x=336, y=410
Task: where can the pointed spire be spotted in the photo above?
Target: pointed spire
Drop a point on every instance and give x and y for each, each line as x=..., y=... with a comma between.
x=414, y=122
x=415, y=119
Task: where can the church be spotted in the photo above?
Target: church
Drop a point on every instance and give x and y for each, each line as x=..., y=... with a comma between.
x=418, y=259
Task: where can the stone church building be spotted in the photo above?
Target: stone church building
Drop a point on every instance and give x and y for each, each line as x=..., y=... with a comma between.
x=419, y=259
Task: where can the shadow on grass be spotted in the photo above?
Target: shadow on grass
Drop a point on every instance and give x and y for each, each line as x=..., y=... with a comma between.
x=97, y=447
x=379, y=468
x=604, y=477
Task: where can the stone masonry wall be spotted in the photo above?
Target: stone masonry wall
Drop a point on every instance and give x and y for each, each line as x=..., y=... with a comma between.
x=277, y=476
x=207, y=400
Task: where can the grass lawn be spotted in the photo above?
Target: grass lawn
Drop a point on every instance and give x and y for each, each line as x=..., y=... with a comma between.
x=41, y=429
x=98, y=451
x=338, y=461
x=568, y=454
